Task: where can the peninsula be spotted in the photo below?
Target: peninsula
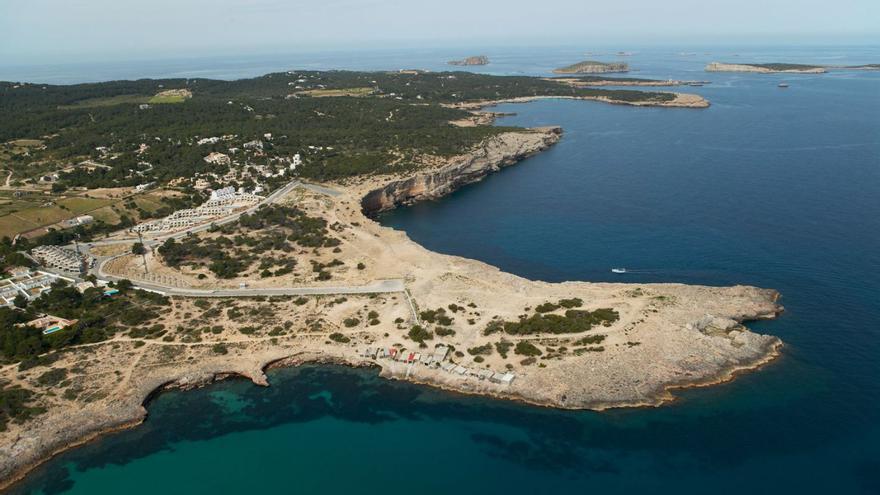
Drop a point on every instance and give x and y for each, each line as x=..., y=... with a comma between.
x=475, y=60
x=233, y=230
x=592, y=67
x=599, y=81
x=775, y=68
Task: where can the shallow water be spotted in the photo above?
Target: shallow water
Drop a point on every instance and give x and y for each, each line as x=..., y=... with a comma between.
x=769, y=187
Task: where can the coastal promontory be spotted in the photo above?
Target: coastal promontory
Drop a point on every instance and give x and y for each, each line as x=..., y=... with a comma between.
x=773, y=68
x=234, y=229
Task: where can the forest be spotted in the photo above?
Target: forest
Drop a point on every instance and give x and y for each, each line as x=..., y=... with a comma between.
x=404, y=116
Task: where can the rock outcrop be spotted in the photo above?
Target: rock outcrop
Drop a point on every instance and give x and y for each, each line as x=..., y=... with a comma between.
x=497, y=152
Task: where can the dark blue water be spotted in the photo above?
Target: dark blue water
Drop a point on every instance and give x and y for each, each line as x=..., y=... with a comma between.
x=769, y=187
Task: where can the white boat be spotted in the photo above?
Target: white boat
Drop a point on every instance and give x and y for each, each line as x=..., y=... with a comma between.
x=783, y=85
x=618, y=270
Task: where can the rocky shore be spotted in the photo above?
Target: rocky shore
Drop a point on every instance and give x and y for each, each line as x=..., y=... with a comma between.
x=496, y=153
x=766, y=68
x=681, y=100
x=632, y=82
x=668, y=336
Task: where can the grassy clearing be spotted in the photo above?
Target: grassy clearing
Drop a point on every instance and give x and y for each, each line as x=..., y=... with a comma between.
x=324, y=93
x=10, y=226
x=148, y=203
x=26, y=143
x=107, y=215
x=43, y=215
x=21, y=215
x=107, y=101
x=80, y=205
x=163, y=99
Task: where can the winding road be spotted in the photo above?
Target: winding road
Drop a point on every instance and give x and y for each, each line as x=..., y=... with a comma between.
x=376, y=287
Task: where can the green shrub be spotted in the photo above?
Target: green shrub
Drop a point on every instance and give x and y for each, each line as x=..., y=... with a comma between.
x=503, y=348
x=419, y=334
x=482, y=350
x=525, y=348
x=444, y=331
x=52, y=377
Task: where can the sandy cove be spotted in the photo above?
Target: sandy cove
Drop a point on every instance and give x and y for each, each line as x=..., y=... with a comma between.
x=668, y=336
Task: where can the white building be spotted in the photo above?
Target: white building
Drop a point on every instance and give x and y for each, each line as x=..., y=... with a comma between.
x=256, y=144
x=62, y=259
x=223, y=202
x=218, y=159
x=25, y=283
x=80, y=220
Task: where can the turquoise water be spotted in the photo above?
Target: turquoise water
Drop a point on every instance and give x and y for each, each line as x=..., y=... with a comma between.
x=769, y=187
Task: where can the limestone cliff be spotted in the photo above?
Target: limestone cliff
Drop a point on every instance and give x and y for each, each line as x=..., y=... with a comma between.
x=495, y=153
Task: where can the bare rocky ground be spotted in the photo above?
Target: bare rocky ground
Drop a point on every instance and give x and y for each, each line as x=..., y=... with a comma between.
x=667, y=335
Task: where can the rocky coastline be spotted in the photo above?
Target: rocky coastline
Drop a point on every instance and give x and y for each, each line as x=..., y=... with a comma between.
x=681, y=100
x=600, y=82
x=766, y=68
x=496, y=153
x=683, y=346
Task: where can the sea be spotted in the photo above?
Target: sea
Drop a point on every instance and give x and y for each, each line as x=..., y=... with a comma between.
x=772, y=187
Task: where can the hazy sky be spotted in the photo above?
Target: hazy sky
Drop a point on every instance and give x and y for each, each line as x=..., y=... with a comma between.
x=69, y=30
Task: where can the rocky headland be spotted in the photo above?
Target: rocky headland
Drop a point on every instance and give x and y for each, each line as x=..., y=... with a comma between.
x=598, y=81
x=678, y=100
x=775, y=68
x=665, y=336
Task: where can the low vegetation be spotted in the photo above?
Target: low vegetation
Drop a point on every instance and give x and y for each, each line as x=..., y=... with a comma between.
x=572, y=321
x=16, y=405
x=272, y=229
x=525, y=348
x=98, y=317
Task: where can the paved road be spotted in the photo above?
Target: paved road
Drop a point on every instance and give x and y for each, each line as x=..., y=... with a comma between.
x=379, y=286
x=321, y=189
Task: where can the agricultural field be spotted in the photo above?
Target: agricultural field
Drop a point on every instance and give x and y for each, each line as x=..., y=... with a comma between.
x=34, y=210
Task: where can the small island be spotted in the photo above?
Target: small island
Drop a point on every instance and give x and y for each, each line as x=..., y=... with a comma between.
x=593, y=67
x=475, y=60
x=774, y=68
